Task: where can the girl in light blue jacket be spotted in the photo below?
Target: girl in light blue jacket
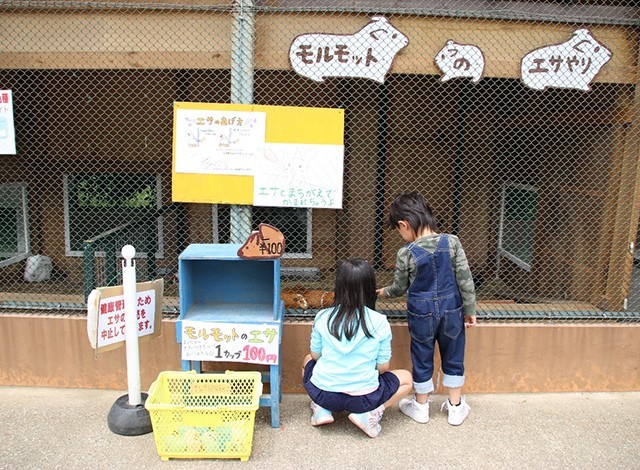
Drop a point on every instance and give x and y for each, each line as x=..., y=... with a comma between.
x=348, y=368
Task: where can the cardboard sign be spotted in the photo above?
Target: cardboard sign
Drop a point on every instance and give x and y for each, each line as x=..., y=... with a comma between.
x=230, y=342
x=106, y=316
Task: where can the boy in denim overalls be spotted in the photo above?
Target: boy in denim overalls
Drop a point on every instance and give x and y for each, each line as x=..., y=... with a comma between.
x=432, y=268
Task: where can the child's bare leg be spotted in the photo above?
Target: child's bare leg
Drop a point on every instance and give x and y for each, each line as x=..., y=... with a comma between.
x=454, y=395
x=406, y=383
x=422, y=397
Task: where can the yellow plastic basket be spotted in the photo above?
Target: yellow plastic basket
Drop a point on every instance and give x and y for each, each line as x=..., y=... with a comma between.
x=204, y=415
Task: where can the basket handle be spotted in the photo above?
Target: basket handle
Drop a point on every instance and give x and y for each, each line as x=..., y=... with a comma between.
x=159, y=406
x=153, y=387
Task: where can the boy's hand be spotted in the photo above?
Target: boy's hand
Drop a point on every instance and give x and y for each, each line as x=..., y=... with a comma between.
x=470, y=320
x=380, y=292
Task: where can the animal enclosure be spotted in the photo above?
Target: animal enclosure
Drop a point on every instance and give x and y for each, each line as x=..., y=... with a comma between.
x=519, y=125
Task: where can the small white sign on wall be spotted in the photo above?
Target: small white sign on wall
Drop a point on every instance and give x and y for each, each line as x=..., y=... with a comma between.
x=230, y=342
x=460, y=60
x=7, y=129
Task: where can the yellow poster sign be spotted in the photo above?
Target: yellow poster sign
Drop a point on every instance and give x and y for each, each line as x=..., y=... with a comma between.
x=258, y=155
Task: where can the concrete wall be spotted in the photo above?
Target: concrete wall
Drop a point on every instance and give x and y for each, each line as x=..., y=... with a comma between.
x=54, y=351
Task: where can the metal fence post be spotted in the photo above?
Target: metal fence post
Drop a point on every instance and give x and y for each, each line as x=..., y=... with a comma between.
x=88, y=263
x=242, y=64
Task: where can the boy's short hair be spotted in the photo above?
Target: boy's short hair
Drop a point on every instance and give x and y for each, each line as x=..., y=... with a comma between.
x=412, y=208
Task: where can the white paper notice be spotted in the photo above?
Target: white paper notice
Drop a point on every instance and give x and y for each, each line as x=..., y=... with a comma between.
x=111, y=326
x=299, y=175
x=218, y=142
x=7, y=129
x=230, y=342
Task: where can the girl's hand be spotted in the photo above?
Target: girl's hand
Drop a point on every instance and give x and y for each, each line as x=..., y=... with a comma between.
x=470, y=321
x=380, y=292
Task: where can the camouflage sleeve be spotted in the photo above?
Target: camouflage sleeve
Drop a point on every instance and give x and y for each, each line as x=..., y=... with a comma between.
x=463, y=276
x=402, y=275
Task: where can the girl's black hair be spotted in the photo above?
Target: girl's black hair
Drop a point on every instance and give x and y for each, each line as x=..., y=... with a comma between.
x=412, y=208
x=355, y=289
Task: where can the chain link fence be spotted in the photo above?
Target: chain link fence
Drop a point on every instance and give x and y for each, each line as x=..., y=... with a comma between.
x=539, y=179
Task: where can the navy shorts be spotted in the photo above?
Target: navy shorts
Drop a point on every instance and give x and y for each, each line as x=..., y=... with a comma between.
x=337, y=401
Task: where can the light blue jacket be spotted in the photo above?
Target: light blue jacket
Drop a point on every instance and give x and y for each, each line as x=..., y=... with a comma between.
x=350, y=366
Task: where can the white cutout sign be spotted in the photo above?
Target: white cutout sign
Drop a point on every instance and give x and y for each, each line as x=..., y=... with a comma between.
x=460, y=60
x=367, y=53
x=571, y=64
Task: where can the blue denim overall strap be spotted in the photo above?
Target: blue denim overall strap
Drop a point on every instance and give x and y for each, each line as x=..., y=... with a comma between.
x=434, y=314
x=435, y=280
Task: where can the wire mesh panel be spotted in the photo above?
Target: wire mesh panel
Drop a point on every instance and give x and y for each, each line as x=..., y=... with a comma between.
x=517, y=121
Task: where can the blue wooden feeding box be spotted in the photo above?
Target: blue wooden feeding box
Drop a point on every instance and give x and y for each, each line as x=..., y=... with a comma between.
x=216, y=285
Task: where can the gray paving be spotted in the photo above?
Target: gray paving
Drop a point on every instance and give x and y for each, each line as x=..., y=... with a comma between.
x=44, y=428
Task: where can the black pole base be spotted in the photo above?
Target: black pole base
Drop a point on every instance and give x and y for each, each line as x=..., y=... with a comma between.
x=129, y=420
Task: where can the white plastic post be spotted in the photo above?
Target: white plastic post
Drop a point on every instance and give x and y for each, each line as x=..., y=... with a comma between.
x=131, y=322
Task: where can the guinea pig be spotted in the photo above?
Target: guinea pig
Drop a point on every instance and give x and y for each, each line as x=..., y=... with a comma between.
x=293, y=299
x=571, y=64
x=319, y=298
x=460, y=60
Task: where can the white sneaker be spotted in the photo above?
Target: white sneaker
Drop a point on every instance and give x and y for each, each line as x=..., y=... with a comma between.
x=416, y=411
x=369, y=422
x=457, y=414
x=320, y=415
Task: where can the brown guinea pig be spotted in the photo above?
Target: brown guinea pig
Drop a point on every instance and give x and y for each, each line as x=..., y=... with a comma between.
x=319, y=298
x=293, y=299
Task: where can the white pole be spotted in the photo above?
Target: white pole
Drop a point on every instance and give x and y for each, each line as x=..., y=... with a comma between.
x=131, y=324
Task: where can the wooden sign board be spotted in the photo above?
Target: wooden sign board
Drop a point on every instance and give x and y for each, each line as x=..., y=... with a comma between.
x=265, y=243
